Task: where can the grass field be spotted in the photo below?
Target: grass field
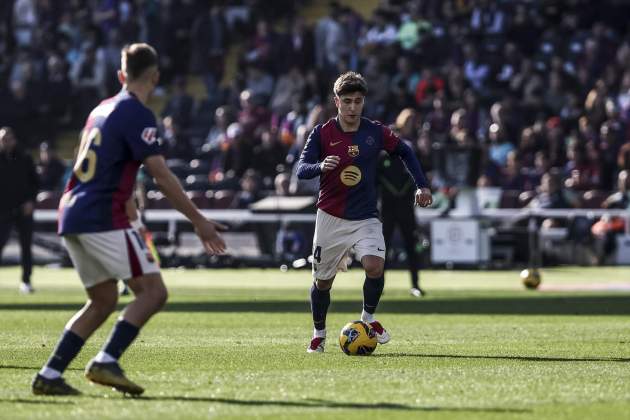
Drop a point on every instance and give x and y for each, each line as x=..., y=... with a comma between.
x=231, y=344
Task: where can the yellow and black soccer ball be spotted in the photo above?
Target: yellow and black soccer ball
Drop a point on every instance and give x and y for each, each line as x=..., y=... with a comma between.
x=530, y=278
x=357, y=338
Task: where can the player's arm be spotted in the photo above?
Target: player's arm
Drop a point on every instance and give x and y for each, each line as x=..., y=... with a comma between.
x=309, y=165
x=395, y=146
x=172, y=189
x=140, y=132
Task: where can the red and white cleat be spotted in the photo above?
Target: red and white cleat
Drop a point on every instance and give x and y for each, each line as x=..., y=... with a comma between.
x=382, y=336
x=317, y=345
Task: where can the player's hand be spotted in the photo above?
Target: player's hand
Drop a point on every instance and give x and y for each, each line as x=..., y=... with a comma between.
x=207, y=230
x=330, y=163
x=423, y=197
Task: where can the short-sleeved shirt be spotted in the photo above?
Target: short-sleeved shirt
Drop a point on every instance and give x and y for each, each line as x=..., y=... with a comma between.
x=118, y=135
x=349, y=190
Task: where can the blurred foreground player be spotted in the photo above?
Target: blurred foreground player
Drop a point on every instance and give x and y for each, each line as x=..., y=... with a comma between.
x=344, y=153
x=119, y=136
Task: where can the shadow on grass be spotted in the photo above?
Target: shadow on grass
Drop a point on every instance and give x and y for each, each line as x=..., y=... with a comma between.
x=44, y=400
x=33, y=368
x=319, y=403
x=523, y=358
x=530, y=305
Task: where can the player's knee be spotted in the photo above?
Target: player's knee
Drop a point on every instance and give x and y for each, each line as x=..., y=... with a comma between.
x=374, y=269
x=159, y=296
x=155, y=293
x=104, y=305
x=323, y=284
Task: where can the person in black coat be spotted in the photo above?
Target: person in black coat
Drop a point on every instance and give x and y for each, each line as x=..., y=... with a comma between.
x=18, y=187
x=396, y=189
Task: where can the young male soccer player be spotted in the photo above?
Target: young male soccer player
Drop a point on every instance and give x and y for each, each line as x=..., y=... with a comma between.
x=344, y=153
x=119, y=136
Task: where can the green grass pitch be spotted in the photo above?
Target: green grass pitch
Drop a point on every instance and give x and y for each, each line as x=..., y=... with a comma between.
x=231, y=344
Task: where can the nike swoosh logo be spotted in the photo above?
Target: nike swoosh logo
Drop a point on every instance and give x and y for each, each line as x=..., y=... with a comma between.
x=335, y=143
x=379, y=249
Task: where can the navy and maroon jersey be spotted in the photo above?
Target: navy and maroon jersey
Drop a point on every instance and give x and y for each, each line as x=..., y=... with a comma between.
x=118, y=135
x=349, y=190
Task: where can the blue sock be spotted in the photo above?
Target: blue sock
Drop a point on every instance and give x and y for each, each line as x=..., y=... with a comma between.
x=121, y=337
x=68, y=347
x=320, y=301
x=372, y=291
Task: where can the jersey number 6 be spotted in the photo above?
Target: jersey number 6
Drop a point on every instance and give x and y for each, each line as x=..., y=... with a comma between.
x=85, y=166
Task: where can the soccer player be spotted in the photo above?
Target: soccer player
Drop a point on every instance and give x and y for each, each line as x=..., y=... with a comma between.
x=344, y=153
x=120, y=135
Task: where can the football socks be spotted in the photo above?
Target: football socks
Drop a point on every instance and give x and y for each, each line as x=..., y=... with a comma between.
x=122, y=336
x=372, y=291
x=68, y=347
x=320, y=301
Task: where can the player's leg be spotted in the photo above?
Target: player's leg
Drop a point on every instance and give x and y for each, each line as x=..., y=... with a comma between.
x=320, y=301
x=6, y=222
x=329, y=248
x=408, y=227
x=102, y=298
x=150, y=292
x=372, y=286
x=370, y=250
x=24, y=225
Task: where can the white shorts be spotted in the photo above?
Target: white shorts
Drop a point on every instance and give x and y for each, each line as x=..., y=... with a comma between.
x=116, y=254
x=334, y=237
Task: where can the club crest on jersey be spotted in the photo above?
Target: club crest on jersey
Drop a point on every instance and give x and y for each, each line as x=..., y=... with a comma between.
x=149, y=135
x=370, y=141
x=353, y=151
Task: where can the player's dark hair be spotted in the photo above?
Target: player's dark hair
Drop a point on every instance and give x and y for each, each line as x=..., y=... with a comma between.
x=137, y=58
x=350, y=82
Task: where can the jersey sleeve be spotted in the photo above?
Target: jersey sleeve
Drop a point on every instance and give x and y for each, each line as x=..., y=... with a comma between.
x=409, y=159
x=390, y=140
x=308, y=165
x=141, y=133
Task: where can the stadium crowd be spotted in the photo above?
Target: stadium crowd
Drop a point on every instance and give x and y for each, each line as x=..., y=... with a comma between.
x=542, y=87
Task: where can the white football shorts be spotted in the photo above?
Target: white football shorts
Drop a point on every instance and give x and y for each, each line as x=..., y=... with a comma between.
x=334, y=237
x=116, y=254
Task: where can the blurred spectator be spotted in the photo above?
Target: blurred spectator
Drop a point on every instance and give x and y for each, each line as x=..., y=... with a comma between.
x=209, y=40
x=249, y=192
x=180, y=105
x=18, y=183
x=88, y=77
x=270, y=156
x=176, y=141
x=252, y=115
x=24, y=21
x=550, y=194
x=288, y=86
x=50, y=169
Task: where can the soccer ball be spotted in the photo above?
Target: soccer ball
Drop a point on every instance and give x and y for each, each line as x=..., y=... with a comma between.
x=357, y=338
x=530, y=278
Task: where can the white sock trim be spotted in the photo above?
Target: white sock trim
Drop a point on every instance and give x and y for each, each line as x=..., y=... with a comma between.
x=367, y=317
x=103, y=357
x=50, y=373
x=319, y=333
